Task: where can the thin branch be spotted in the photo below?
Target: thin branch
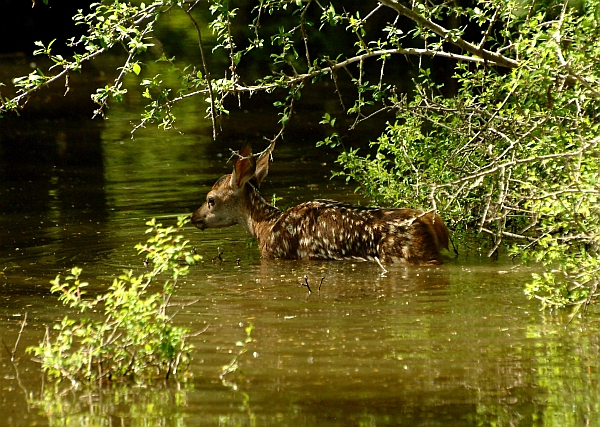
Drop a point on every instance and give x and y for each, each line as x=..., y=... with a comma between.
x=237, y=88
x=484, y=54
x=303, y=30
x=512, y=235
x=12, y=356
x=188, y=11
x=27, y=92
x=493, y=169
x=489, y=29
x=489, y=121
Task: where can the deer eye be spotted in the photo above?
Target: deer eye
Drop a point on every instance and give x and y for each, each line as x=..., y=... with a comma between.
x=210, y=201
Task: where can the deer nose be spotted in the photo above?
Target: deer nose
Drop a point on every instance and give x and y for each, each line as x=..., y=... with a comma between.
x=199, y=224
x=197, y=221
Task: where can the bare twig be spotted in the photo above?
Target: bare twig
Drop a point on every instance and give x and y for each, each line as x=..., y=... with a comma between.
x=188, y=11
x=306, y=284
x=490, y=169
x=14, y=350
x=23, y=323
x=218, y=256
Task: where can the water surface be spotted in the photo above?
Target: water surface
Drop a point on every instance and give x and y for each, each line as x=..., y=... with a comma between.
x=456, y=344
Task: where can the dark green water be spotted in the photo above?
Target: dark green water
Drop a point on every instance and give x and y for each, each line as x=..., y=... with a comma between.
x=453, y=345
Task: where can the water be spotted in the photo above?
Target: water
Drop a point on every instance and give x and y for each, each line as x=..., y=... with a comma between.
x=456, y=344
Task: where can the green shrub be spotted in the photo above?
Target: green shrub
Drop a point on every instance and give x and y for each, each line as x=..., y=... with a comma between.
x=125, y=332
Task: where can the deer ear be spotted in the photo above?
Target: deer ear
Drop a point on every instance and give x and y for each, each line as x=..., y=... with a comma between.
x=262, y=165
x=244, y=168
x=262, y=168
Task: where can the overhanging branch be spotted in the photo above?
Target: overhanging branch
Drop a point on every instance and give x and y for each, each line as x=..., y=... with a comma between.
x=484, y=54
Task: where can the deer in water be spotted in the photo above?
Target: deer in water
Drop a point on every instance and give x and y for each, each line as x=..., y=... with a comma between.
x=321, y=229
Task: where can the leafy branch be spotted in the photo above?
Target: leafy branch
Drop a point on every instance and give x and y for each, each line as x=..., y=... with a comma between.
x=134, y=338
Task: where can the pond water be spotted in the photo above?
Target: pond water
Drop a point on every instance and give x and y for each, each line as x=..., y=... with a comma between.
x=457, y=344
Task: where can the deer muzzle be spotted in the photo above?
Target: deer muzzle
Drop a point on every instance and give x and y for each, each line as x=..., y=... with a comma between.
x=198, y=220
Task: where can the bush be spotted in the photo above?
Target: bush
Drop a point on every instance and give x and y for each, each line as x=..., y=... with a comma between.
x=132, y=336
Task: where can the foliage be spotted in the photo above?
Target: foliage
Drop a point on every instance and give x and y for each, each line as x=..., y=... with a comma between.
x=514, y=153
x=506, y=148
x=134, y=337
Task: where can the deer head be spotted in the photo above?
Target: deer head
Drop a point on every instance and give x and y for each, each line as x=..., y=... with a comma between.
x=227, y=203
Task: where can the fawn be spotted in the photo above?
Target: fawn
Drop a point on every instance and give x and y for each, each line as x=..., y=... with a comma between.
x=321, y=229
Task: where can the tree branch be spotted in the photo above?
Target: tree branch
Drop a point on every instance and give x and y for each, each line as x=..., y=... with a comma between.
x=478, y=51
x=188, y=11
x=495, y=168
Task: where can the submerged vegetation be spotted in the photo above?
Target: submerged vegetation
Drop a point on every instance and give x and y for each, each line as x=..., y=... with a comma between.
x=506, y=147
x=126, y=332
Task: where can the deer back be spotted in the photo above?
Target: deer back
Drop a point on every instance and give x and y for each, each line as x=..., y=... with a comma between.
x=325, y=229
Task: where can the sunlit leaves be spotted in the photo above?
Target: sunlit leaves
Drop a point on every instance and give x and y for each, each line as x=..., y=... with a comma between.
x=221, y=25
x=108, y=25
x=125, y=332
x=513, y=155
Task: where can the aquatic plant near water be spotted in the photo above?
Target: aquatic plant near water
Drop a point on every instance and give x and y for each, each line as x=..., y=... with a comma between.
x=124, y=333
x=234, y=365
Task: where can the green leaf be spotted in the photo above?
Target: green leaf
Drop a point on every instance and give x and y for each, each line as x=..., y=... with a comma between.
x=136, y=68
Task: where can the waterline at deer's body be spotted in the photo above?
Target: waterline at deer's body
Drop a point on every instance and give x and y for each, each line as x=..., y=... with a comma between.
x=321, y=229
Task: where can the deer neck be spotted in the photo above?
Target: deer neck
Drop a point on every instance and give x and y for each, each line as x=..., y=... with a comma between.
x=261, y=216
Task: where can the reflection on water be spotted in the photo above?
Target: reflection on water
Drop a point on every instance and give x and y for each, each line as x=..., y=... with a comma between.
x=451, y=345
